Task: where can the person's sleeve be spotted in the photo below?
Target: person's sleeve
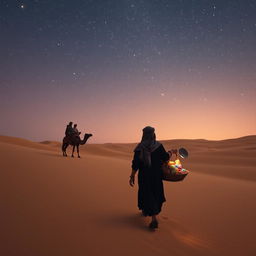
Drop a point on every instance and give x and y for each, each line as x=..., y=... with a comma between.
x=164, y=155
x=136, y=161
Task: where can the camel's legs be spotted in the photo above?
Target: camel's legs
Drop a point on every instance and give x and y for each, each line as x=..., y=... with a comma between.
x=73, y=151
x=77, y=148
x=64, y=147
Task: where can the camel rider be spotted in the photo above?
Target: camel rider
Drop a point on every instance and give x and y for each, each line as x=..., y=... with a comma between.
x=69, y=130
x=75, y=131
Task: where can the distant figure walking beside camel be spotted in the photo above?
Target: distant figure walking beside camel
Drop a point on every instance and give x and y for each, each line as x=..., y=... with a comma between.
x=72, y=138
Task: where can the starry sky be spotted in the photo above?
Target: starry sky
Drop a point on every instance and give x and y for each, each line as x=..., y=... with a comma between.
x=185, y=67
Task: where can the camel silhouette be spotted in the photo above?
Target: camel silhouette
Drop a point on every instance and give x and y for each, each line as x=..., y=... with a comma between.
x=74, y=141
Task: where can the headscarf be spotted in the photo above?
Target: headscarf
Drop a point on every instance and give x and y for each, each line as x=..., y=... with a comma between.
x=147, y=145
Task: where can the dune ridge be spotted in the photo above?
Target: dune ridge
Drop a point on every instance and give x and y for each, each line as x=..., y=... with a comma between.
x=52, y=205
x=207, y=157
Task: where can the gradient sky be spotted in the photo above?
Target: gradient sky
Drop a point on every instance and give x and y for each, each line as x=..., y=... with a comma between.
x=186, y=67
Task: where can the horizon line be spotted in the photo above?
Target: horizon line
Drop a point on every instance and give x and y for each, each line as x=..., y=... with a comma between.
x=164, y=140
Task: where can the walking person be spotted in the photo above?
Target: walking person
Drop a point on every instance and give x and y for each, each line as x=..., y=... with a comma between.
x=148, y=158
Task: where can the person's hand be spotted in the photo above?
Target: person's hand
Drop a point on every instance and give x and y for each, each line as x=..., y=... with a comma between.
x=174, y=151
x=131, y=181
x=170, y=153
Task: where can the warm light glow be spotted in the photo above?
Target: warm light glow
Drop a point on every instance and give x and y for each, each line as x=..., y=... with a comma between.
x=189, y=74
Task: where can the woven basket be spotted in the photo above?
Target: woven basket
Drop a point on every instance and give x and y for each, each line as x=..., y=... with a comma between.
x=169, y=174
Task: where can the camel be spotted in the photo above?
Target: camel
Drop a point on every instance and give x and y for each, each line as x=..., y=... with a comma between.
x=74, y=141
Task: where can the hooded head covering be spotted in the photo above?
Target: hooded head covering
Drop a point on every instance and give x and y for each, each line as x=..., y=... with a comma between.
x=147, y=145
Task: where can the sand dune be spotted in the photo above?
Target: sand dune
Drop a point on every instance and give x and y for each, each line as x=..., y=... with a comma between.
x=208, y=157
x=51, y=205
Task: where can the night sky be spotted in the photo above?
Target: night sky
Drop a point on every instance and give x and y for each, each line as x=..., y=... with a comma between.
x=186, y=67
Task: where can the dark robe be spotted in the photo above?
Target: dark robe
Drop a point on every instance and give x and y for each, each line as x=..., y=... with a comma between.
x=151, y=191
x=69, y=130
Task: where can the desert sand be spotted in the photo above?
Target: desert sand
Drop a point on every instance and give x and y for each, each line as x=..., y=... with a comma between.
x=52, y=205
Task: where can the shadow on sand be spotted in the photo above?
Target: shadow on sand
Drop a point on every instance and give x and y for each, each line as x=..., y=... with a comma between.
x=137, y=221
x=53, y=154
x=171, y=231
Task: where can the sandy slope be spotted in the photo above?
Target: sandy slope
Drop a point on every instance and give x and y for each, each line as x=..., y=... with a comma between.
x=52, y=205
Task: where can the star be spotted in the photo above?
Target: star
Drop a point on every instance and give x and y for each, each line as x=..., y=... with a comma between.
x=22, y=6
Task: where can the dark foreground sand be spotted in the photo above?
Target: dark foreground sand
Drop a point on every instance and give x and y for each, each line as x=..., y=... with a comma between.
x=51, y=205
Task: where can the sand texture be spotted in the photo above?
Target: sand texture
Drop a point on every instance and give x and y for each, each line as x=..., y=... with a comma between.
x=52, y=205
